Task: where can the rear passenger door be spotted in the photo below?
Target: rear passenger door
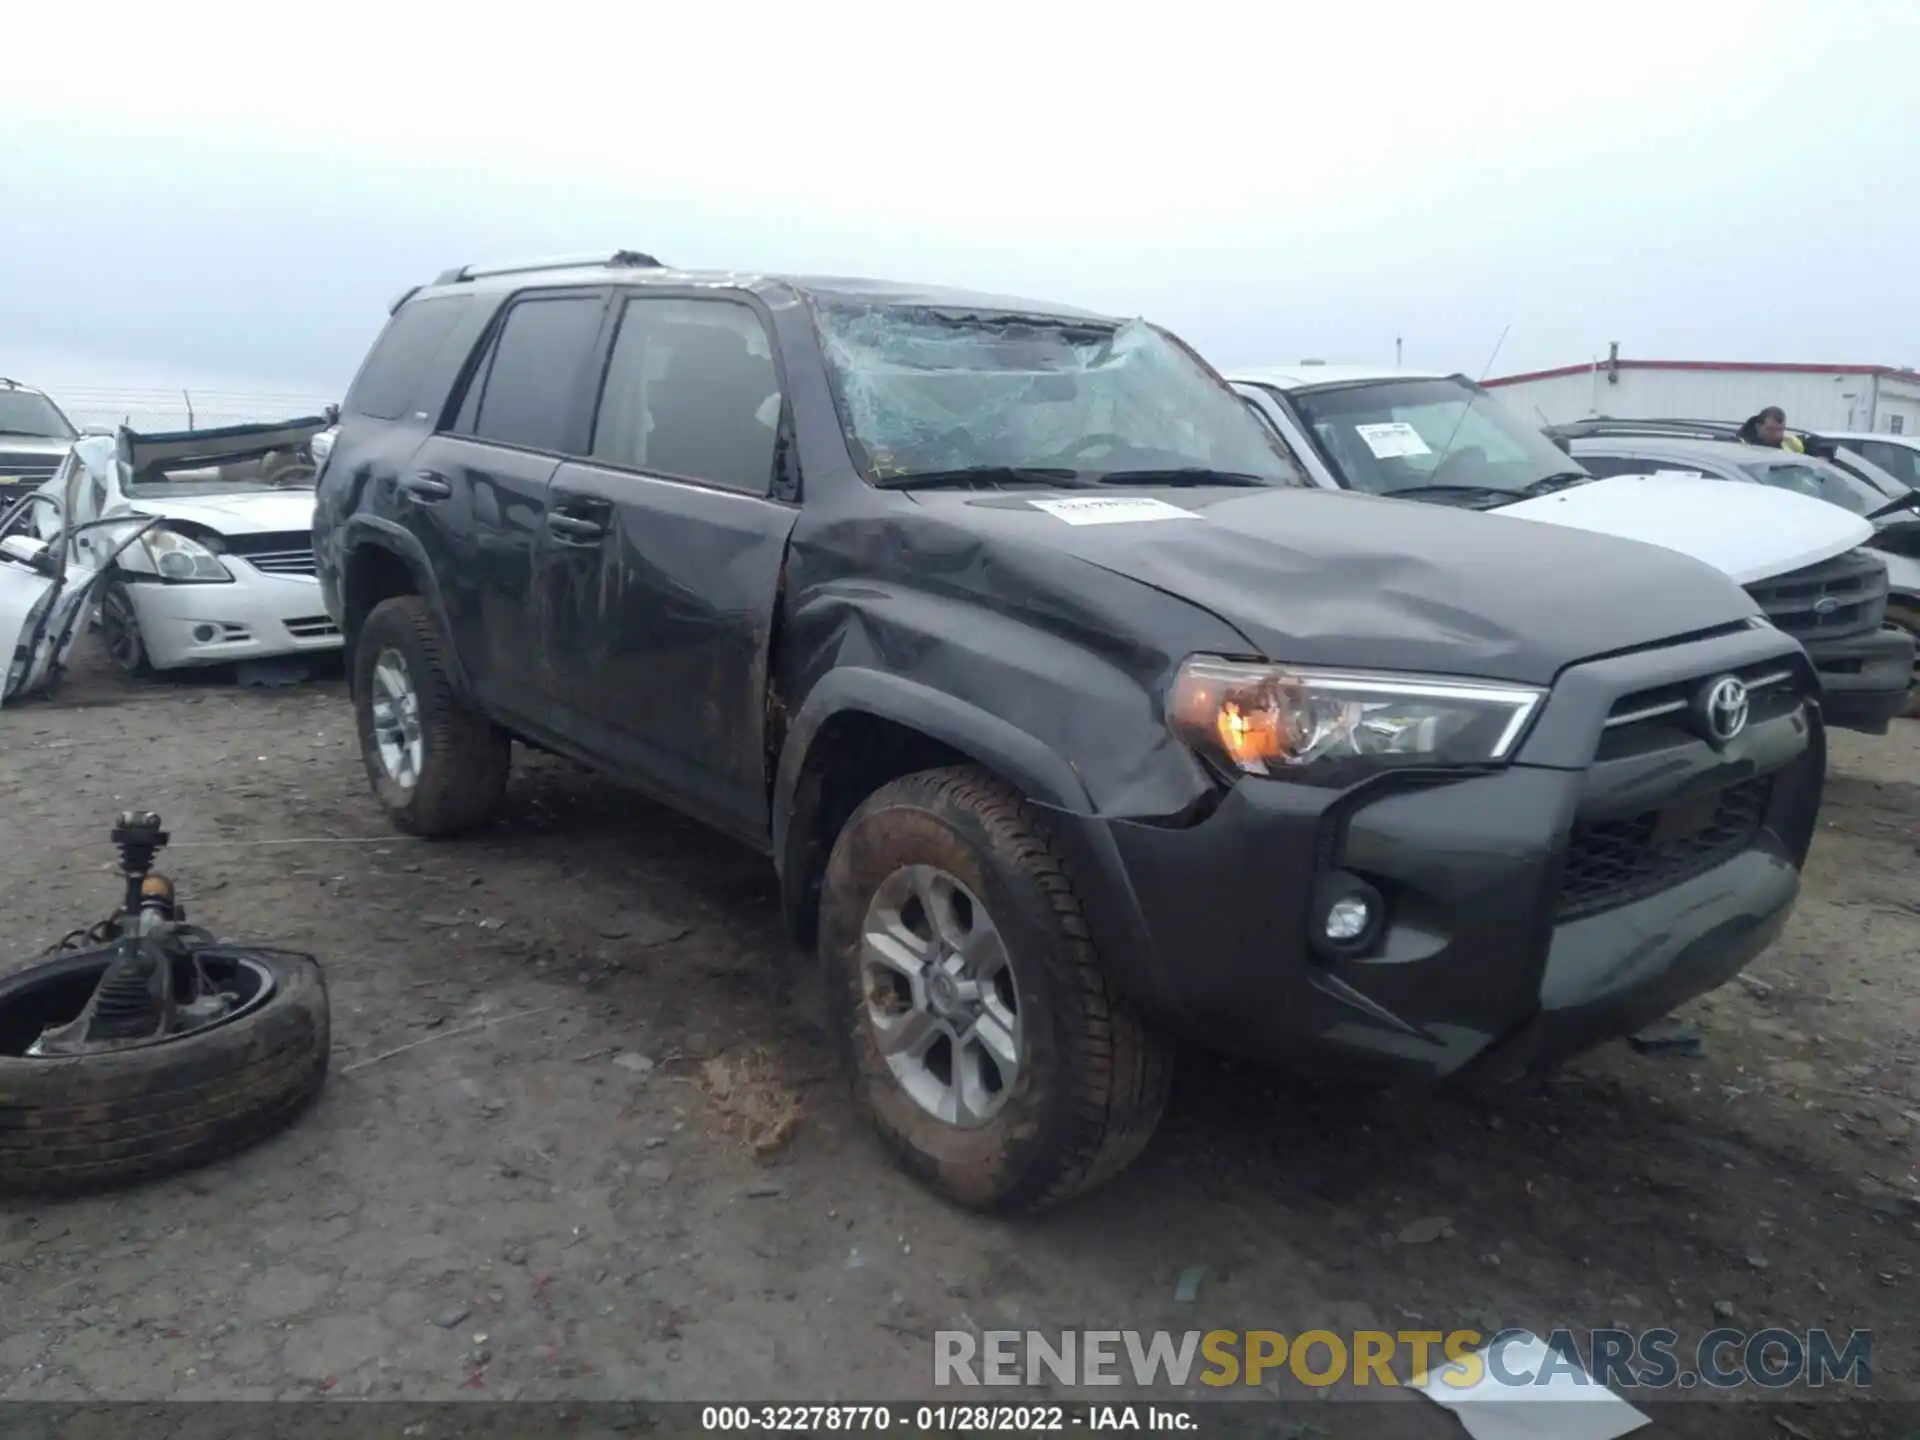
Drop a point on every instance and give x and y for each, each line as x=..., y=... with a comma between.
x=476, y=493
x=662, y=556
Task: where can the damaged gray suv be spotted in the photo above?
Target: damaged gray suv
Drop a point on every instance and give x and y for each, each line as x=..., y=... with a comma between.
x=1073, y=723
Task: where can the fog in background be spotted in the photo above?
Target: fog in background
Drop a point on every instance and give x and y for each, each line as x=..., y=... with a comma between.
x=230, y=197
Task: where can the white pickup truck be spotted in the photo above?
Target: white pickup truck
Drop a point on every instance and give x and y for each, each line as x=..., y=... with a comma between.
x=1443, y=439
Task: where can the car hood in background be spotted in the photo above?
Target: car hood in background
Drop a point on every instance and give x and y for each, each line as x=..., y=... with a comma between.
x=244, y=514
x=1322, y=577
x=1750, y=532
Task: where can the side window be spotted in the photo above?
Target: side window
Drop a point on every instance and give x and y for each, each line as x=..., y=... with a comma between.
x=691, y=391
x=1898, y=460
x=524, y=390
x=385, y=386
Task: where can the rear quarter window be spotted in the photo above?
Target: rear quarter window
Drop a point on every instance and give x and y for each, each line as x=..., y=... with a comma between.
x=389, y=383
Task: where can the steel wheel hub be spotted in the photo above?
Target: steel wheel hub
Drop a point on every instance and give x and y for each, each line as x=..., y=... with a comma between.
x=396, y=720
x=940, y=995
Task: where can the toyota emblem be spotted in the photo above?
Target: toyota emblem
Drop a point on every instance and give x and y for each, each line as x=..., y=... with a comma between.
x=1723, y=709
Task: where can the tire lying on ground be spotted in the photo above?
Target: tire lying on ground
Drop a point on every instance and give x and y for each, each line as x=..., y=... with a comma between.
x=983, y=1038
x=71, y=1124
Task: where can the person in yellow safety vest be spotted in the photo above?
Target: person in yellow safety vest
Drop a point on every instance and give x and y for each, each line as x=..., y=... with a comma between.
x=1769, y=428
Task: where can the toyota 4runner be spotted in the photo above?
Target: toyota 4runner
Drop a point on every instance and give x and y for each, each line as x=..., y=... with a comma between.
x=1071, y=718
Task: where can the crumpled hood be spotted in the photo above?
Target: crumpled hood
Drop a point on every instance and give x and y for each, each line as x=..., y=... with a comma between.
x=248, y=514
x=1323, y=577
x=1751, y=532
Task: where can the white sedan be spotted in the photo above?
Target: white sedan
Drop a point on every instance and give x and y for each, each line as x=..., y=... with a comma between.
x=226, y=574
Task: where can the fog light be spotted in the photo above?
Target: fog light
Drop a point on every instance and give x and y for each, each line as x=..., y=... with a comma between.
x=205, y=634
x=1348, y=918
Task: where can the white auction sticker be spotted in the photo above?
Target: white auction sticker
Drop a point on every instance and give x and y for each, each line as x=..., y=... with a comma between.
x=1111, y=509
x=1392, y=440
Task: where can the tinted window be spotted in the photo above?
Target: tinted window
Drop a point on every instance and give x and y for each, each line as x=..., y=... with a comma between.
x=691, y=390
x=387, y=382
x=526, y=389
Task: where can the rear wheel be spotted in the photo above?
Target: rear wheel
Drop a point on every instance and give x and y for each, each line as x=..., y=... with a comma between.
x=437, y=766
x=982, y=1037
x=1907, y=617
x=120, y=630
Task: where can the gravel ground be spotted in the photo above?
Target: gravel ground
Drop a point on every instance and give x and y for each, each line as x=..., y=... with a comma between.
x=575, y=1146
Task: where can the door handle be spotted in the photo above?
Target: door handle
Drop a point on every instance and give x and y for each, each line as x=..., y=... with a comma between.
x=425, y=485
x=575, y=530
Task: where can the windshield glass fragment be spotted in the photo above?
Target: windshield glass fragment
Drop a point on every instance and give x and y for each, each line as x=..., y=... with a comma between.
x=934, y=393
x=1441, y=437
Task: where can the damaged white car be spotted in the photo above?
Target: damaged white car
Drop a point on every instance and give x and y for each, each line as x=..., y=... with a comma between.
x=222, y=567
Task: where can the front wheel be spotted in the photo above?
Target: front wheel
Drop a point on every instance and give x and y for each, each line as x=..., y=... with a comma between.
x=120, y=630
x=981, y=1034
x=436, y=766
x=1907, y=618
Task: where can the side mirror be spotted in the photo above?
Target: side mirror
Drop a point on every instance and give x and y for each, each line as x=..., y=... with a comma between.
x=1560, y=443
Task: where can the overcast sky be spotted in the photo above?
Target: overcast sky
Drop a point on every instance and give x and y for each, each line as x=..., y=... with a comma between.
x=236, y=192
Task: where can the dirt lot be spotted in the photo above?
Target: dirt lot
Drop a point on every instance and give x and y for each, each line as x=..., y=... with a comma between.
x=519, y=1206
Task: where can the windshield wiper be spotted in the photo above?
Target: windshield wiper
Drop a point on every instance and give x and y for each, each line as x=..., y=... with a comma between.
x=982, y=477
x=1559, y=480
x=1181, y=475
x=1487, y=494
x=31, y=434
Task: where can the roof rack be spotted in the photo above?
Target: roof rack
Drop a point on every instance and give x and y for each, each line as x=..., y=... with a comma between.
x=636, y=259
x=1606, y=425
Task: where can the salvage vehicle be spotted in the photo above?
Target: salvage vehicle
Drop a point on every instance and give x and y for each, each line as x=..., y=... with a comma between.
x=35, y=435
x=1898, y=455
x=1445, y=440
x=45, y=592
x=1075, y=722
x=227, y=573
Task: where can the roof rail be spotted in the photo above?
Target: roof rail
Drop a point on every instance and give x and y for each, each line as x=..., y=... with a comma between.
x=619, y=258
x=1701, y=429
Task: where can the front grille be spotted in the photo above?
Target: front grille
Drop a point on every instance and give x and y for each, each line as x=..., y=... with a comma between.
x=286, y=552
x=29, y=470
x=283, y=562
x=1834, y=600
x=1661, y=716
x=318, y=627
x=1615, y=862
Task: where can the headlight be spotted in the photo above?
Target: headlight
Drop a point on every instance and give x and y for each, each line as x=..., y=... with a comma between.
x=1333, y=727
x=178, y=558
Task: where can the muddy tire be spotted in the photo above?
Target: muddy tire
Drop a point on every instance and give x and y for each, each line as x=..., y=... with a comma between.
x=436, y=766
x=87, y=1122
x=1907, y=617
x=120, y=632
x=952, y=862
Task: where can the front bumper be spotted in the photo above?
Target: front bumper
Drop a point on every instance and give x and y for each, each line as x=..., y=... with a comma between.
x=1503, y=949
x=255, y=617
x=1864, y=681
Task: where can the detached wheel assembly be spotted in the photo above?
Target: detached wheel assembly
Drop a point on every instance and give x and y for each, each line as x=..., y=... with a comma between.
x=155, y=1047
x=982, y=1036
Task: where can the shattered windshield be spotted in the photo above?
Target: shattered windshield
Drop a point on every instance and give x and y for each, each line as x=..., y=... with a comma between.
x=24, y=413
x=1438, y=436
x=936, y=393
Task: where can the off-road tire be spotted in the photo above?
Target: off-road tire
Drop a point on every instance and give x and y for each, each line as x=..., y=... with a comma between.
x=1907, y=618
x=1094, y=1082
x=465, y=759
x=88, y=1122
x=117, y=616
